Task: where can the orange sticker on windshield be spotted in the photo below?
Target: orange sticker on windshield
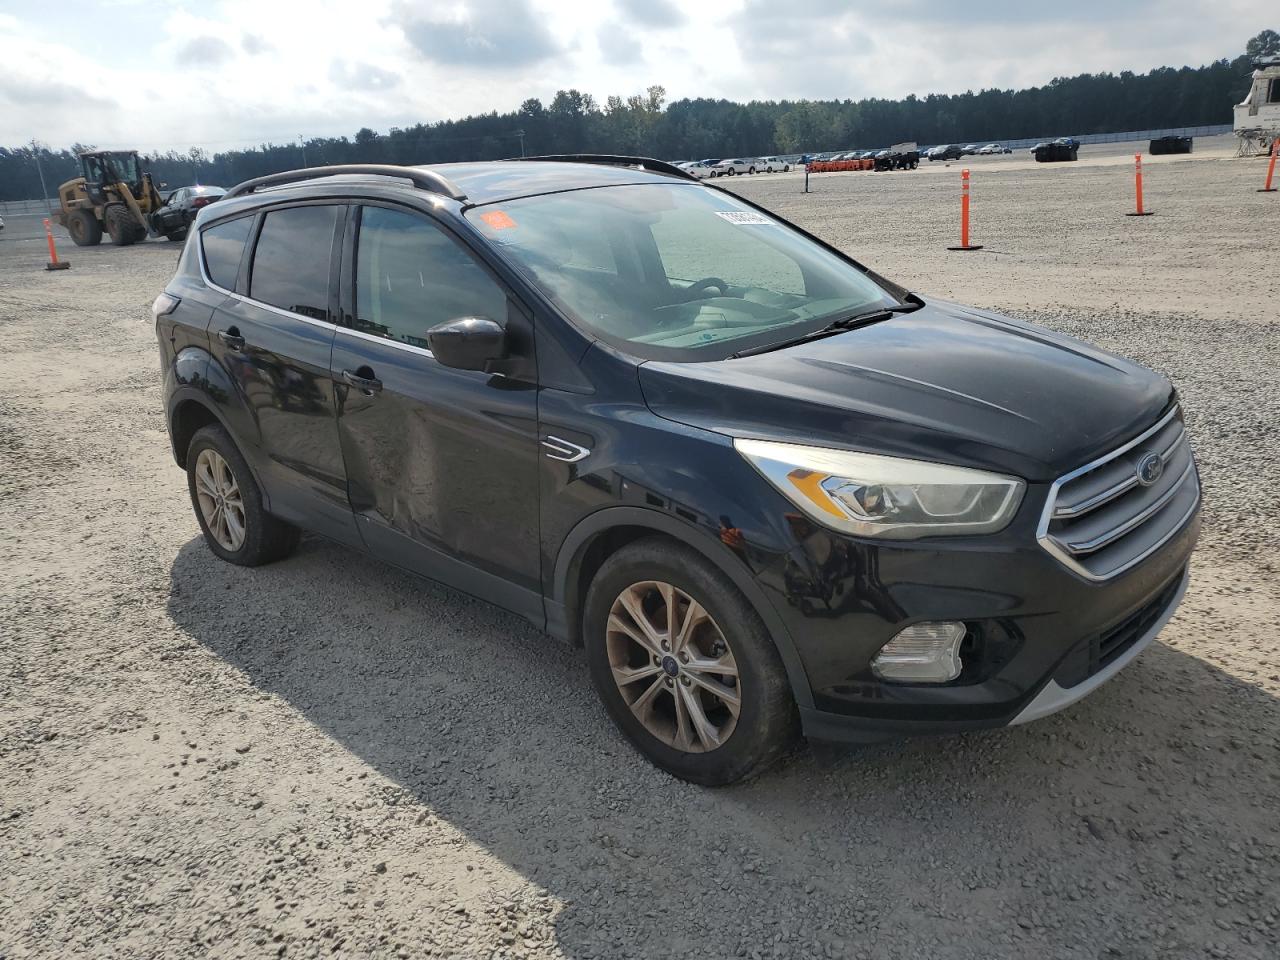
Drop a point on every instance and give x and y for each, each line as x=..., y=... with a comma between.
x=498, y=220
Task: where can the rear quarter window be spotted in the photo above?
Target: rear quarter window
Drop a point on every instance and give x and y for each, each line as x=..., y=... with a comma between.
x=223, y=245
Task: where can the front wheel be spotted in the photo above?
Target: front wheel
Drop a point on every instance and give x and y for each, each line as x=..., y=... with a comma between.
x=84, y=228
x=684, y=665
x=228, y=503
x=123, y=228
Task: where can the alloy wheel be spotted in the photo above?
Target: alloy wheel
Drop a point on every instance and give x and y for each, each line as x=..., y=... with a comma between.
x=220, y=500
x=673, y=666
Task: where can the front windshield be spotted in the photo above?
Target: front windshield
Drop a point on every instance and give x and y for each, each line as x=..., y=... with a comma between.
x=124, y=164
x=675, y=271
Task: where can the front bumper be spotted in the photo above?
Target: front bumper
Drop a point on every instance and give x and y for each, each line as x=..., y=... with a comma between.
x=1045, y=638
x=1054, y=697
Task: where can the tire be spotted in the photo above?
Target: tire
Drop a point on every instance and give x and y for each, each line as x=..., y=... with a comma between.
x=766, y=722
x=787, y=168
x=84, y=228
x=751, y=169
x=264, y=538
x=179, y=234
x=122, y=227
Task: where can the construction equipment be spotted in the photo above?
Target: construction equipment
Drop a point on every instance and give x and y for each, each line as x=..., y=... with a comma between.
x=113, y=194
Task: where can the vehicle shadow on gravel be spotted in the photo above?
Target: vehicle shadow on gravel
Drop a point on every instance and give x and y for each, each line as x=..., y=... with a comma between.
x=1078, y=833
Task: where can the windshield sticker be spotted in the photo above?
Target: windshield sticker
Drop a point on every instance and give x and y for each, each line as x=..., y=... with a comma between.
x=498, y=220
x=742, y=216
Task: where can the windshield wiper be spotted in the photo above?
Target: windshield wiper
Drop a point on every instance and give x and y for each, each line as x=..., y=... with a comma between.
x=839, y=325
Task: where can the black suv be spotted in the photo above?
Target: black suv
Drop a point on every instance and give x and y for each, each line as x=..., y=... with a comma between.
x=766, y=489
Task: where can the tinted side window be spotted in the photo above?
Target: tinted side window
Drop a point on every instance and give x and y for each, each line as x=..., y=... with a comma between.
x=410, y=275
x=223, y=246
x=291, y=260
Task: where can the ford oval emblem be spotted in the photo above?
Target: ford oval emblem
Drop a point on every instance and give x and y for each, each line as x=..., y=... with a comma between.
x=1150, y=469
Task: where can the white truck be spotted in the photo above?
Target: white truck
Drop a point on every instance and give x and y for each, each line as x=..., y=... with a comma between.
x=1257, y=117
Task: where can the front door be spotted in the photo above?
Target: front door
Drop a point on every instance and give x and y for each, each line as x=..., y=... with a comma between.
x=441, y=464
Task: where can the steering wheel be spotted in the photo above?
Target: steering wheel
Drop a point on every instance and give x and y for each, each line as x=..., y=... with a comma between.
x=696, y=289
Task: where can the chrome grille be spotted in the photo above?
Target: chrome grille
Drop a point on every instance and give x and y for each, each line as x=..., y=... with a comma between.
x=1102, y=519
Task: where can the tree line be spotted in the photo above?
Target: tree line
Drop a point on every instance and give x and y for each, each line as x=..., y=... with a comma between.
x=645, y=124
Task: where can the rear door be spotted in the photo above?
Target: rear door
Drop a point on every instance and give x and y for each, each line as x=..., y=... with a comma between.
x=273, y=334
x=441, y=463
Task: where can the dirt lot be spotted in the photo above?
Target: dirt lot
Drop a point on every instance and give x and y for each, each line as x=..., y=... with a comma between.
x=328, y=757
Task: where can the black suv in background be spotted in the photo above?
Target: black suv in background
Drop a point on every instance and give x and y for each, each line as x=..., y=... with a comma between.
x=766, y=489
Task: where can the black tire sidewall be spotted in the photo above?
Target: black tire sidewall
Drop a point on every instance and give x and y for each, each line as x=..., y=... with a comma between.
x=766, y=721
x=91, y=230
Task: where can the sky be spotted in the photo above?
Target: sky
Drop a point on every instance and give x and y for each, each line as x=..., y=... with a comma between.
x=233, y=73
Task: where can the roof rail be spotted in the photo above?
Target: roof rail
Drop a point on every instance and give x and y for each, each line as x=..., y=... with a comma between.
x=644, y=163
x=423, y=179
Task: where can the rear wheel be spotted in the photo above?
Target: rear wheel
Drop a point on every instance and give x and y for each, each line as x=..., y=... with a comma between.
x=179, y=234
x=684, y=666
x=228, y=503
x=122, y=226
x=84, y=228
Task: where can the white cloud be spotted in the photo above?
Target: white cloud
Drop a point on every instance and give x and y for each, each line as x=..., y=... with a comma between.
x=275, y=71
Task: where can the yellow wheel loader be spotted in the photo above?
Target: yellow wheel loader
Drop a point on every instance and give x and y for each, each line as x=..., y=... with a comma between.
x=113, y=194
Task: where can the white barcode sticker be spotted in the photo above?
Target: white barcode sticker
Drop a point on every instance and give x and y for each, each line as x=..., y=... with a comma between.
x=742, y=216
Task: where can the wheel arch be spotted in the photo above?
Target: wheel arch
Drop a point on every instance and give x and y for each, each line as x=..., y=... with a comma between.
x=602, y=533
x=190, y=410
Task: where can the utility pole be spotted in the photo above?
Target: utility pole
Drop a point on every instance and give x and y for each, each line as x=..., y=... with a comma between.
x=303, y=142
x=44, y=191
x=520, y=134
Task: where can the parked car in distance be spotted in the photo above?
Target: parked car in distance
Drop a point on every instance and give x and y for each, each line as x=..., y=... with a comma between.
x=969, y=150
x=1173, y=144
x=1, y=223
x=993, y=148
x=766, y=490
x=946, y=151
x=1053, y=151
x=773, y=165
x=698, y=168
x=175, y=217
x=730, y=168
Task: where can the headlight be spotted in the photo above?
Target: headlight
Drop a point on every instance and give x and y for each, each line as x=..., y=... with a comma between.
x=875, y=496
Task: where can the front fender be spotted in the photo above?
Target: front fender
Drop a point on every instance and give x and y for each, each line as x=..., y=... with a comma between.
x=576, y=542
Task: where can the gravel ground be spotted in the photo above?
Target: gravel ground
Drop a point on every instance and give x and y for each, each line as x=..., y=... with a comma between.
x=328, y=757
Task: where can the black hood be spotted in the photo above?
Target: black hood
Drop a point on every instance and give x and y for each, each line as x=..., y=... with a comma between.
x=942, y=383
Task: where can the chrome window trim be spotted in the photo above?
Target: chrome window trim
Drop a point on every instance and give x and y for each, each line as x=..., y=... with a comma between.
x=1046, y=515
x=399, y=345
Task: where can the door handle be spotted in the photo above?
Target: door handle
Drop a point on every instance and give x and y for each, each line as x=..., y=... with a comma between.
x=231, y=337
x=369, y=385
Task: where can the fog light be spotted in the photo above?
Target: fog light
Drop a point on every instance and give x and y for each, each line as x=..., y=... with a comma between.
x=922, y=653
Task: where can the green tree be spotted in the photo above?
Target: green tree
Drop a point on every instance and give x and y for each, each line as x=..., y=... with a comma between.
x=1265, y=44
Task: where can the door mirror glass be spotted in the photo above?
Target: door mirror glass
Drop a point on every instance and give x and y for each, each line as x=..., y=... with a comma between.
x=468, y=343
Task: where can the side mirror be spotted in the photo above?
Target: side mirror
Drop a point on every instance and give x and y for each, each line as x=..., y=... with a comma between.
x=468, y=343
